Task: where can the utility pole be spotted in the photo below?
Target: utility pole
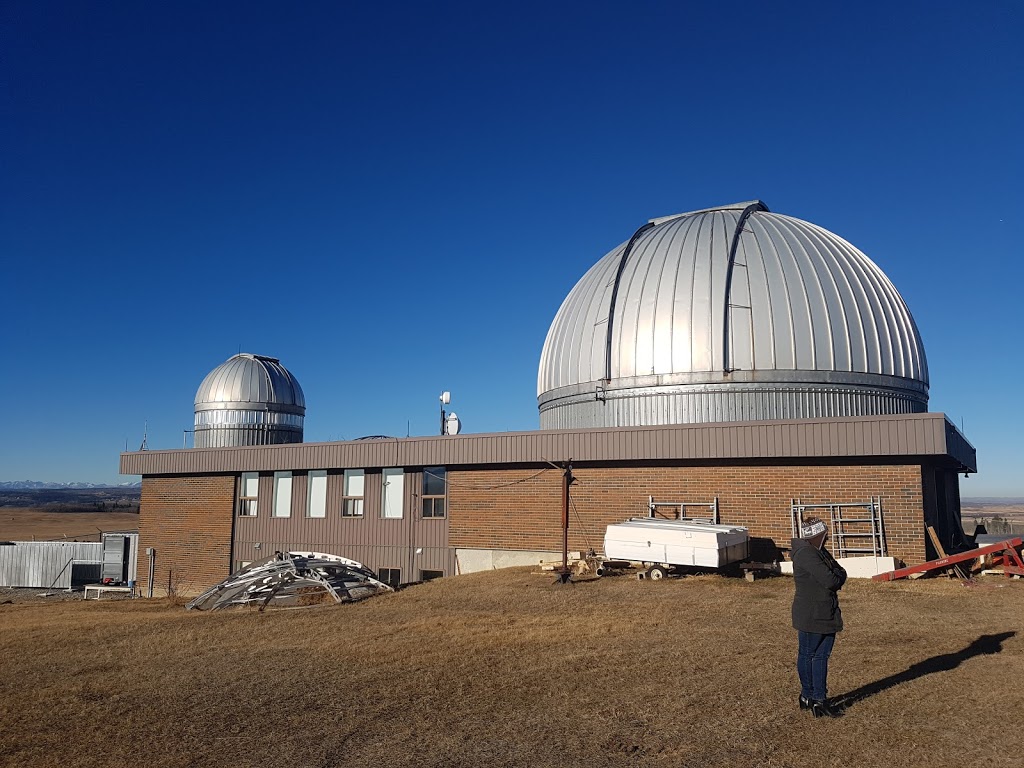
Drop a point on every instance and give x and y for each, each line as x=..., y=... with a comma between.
x=565, y=576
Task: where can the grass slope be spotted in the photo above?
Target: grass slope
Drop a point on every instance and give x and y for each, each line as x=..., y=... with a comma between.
x=507, y=669
x=44, y=525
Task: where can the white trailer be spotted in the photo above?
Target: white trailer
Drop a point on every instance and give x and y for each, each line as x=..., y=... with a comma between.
x=661, y=545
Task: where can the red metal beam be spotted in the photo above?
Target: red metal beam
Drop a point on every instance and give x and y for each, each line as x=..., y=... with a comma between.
x=1009, y=547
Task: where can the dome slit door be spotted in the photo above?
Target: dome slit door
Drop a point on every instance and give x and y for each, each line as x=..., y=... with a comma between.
x=727, y=305
x=615, y=294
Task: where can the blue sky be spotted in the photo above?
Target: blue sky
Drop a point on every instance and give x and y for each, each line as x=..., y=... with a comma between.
x=395, y=198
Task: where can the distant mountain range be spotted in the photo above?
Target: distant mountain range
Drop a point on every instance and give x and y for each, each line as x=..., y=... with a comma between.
x=32, y=485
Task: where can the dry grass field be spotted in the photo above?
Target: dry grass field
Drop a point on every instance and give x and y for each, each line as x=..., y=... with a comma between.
x=507, y=669
x=972, y=511
x=17, y=524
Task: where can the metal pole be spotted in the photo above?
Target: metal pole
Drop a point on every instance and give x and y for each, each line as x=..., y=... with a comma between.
x=567, y=480
x=152, y=567
x=565, y=518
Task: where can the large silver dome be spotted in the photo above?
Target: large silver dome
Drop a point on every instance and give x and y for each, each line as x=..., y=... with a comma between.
x=249, y=400
x=730, y=314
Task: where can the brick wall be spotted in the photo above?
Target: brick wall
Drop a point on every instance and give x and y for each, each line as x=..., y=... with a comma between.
x=521, y=509
x=188, y=521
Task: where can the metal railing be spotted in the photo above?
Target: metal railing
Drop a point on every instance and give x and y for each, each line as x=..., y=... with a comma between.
x=681, y=506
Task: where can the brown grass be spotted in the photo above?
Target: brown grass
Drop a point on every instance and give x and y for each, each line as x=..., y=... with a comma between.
x=18, y=524
x=507, y=669
x=1014, y=512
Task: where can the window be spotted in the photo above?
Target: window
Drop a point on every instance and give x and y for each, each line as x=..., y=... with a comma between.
x=393, y=495
x=390, y=576
x=282, y=494
x=431, y=575
x=248, y=494
x=434, y=486
x=352, y=503
x=317, y=502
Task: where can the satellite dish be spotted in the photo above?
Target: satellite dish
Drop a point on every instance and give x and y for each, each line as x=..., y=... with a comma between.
x=446, y=397
x=452, y=425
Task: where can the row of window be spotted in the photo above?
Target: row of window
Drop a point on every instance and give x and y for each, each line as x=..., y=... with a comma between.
x=432, y=497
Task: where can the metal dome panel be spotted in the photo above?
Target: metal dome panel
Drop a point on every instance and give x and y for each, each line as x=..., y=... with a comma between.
x=733, y=299
x=247, y=378
x=249, y=400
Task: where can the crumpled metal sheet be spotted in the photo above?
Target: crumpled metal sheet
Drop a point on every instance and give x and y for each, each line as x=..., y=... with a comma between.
x=293, y=580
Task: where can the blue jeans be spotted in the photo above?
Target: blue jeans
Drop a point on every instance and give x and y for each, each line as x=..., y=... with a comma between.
x=812, y=664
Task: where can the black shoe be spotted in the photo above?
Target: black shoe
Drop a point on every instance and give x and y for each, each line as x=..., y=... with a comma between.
x=825, y=709
x=805, y=703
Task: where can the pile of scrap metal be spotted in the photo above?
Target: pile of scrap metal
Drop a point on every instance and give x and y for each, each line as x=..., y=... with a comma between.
x=293, y=580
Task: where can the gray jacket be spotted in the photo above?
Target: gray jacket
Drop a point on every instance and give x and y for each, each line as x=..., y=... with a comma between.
x=818, y=578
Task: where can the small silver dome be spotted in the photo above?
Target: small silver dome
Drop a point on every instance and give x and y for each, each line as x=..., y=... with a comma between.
x=730, y=314
x=249, y=400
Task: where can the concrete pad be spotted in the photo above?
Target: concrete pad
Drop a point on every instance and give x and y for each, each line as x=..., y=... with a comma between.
x=473, y=560
x=856, y=567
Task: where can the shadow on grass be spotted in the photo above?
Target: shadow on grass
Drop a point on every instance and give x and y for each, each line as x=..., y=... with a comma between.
x=984, y=645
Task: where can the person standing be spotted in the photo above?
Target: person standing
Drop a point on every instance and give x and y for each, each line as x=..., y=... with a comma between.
x=816, y=614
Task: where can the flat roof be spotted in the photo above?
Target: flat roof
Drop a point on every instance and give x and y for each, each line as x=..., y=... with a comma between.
x=905, y=436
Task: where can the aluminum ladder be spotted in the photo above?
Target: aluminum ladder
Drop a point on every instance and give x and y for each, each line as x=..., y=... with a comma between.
x=856, y=527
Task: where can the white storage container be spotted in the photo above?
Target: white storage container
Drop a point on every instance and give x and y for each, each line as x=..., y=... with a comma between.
x=676, y=542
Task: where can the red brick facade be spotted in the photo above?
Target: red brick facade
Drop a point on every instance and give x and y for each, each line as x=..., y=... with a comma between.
x=521, y=509
x=188, y=521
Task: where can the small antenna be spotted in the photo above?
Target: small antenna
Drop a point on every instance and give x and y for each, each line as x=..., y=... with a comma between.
x=407, y=427
x=145, y=438
x=445, y=398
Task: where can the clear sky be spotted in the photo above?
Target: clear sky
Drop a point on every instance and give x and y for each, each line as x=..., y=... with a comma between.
x=394, y=198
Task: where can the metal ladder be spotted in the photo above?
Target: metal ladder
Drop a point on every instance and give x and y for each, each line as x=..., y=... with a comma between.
x=681, y=506
x=856, y=527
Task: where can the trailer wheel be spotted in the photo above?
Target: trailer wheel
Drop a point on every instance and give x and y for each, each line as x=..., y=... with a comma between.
x=656, y=572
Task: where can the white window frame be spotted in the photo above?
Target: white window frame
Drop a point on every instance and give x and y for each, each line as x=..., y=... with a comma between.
x=397, y=475
x=248, y=505
x=352, y=504
x=316, y=503
x=282, y=495
x=432, y=501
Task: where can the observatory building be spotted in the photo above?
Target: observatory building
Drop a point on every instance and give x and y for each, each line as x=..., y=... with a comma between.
x=731, y=362
x=249, y=400
x=730, y=314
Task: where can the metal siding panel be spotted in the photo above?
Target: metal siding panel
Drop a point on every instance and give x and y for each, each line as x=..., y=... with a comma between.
x=882, y=435
x=265, y=498
x=300, y=484
x=890, y=436
x=860, y=442
x=840, y=437
x=44, y=564
x=930, y=434
x=335, y=491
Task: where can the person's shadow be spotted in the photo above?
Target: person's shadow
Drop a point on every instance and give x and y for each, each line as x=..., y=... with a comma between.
x=984, y=645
